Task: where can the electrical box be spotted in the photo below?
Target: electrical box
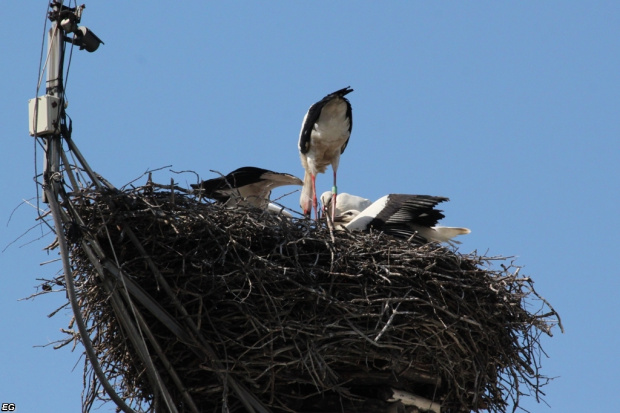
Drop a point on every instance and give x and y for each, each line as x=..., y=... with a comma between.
x=47, y=111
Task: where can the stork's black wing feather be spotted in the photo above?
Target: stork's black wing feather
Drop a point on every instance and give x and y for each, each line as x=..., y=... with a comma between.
x=211, y=189
x=245, y=176
x=416, y=209
x=401, y=211
x=306, y=130
x=350, y=116
x=403, y=231
x=220, y=188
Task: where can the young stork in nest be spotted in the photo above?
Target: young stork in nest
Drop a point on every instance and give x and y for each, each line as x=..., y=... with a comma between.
x=346, y=202
x=324, y=135
x=413, y=217
x=246, y=186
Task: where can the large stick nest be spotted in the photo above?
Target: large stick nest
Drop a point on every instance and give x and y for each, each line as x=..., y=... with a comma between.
x=298, y=318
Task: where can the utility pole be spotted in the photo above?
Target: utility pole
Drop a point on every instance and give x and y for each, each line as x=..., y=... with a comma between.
x=48, y=121
x=47, y=113
x=54, y=89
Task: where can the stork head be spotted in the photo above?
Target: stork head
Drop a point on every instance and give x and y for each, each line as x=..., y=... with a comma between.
x=305, y=200
x=326, y=200
x=347, y=216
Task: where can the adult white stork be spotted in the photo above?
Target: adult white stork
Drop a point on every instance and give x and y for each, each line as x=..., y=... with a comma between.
x=245, y=186
x=324, y=135
x=346, y=202
x=405, y=216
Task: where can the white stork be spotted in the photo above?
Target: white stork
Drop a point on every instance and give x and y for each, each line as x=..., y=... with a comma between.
x=346, y=202
x=245, y=186
x=324, y=135
x=405, y=216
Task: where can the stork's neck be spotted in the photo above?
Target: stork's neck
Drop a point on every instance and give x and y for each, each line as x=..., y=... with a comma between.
x=305, y=200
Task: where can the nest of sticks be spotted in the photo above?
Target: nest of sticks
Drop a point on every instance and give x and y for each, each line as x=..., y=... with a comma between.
x=213, y=309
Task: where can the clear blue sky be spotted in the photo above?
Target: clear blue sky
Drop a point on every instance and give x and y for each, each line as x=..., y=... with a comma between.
x=511, y=109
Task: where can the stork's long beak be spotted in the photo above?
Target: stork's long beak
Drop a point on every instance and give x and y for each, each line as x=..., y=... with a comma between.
x=281, y=179
x=339, y=218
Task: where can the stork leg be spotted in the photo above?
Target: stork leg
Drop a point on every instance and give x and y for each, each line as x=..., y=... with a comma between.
x=334, y=196
x=314, y=200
